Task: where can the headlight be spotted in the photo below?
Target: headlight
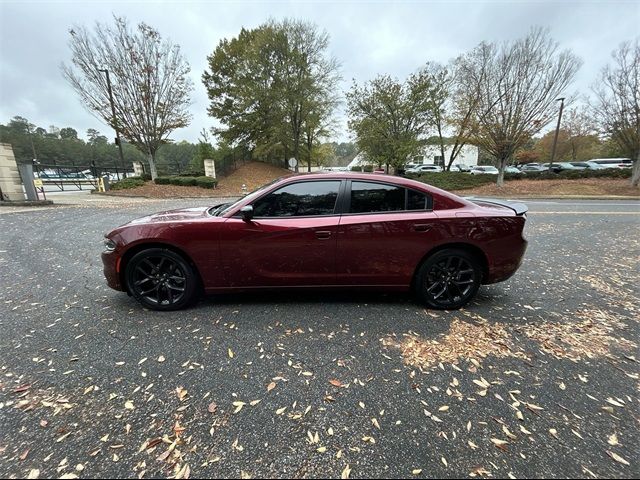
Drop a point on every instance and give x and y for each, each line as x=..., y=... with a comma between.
x=109, y=245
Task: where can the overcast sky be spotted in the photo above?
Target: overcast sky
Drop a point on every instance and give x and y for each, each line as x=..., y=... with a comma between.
x=368, y=38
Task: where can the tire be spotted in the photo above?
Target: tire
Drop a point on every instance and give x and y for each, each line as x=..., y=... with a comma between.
x=448, y=279
x=161, y=279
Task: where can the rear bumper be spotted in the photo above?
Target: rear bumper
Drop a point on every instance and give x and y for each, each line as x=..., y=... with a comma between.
x=507, y=265
x=111, y=262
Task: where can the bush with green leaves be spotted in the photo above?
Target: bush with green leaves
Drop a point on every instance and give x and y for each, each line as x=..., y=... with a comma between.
x=206, y=182
x=126, y=183
x=365, y=168
x=453, y=180
x=200, y=181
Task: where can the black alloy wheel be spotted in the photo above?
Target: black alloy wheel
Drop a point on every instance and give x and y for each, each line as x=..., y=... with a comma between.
x=449, y=279
x=160, y=279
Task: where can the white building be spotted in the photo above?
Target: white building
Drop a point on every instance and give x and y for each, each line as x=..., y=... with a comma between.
x=431, y=154
x=467, y=156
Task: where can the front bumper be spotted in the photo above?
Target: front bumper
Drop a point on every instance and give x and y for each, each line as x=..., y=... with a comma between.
x=111, y=263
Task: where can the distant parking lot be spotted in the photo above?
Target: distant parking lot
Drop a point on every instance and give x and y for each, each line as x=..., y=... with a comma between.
x=537, y=378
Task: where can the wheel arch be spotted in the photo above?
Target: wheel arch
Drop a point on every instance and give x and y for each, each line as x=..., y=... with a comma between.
x=474, y=250
x=128, y=255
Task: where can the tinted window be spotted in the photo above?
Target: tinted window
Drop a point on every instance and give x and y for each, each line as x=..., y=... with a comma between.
x=418, y=201
x=375, y=197
x=298, y=200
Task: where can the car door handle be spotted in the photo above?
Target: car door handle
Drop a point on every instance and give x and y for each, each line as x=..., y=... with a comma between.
x=421, y=227
x=323, y=234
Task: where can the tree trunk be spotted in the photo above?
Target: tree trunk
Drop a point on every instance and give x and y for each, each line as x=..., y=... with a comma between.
x=501, y=167
x=635, y=174
x=152, y=166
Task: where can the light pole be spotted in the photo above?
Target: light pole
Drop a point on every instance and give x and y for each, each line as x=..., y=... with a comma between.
x=115, y=122
x=555, y=138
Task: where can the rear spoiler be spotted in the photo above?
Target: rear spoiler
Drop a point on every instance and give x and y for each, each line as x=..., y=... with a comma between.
x=517, y=207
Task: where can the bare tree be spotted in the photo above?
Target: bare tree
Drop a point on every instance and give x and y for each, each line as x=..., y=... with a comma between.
x=617, y=102
x=454, y=99
x=149, y=78
x=517, y=85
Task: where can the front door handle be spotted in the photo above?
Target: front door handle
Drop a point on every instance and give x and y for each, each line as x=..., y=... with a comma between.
x=323, y=234
x=421, y=227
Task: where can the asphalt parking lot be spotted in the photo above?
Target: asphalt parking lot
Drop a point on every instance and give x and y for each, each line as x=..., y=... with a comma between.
x=539, y=377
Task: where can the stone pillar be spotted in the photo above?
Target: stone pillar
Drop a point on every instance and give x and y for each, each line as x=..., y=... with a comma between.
x=26, y=172
x=138, y=170
x=10, y=183
x=209, y=168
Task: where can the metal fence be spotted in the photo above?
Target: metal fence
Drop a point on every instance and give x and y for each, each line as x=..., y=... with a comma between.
x=75, y=177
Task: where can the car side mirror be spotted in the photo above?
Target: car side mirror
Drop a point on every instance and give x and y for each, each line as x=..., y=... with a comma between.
x=247, y=213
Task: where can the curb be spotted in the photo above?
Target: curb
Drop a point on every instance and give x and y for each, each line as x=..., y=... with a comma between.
x=26, y=203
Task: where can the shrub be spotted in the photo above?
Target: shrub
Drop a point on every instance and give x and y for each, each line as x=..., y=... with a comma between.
x=201, y=181
x=126, y=183
x=192, y=173
x=453, y=180
x=184, y=181
x=365, y=168
x=206, y=182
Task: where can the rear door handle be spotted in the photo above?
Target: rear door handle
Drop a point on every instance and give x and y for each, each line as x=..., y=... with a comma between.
x=323, y=234
x=421, y=227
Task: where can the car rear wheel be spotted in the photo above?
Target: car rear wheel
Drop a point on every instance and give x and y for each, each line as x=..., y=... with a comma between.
x=160, y=279
x=448, y=279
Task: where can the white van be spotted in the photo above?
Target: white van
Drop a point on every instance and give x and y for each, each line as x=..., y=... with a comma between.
x=613, y=162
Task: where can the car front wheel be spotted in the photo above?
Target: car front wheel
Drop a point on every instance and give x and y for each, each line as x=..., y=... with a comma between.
x=448, y=279
x=160, y=279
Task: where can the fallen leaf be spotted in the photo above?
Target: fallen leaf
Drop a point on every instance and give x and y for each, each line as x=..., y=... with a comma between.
x=238, y=406
x=128, y=405
x=271, y=386
x=443, y=408
x=416, y=471
x=230, y=352
x=617, y=458
x=212, y=407
x=346, y=472
x=613, y=440
x=33, y=474
x=335, y=383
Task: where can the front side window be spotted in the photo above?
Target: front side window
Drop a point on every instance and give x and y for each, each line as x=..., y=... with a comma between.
x=376, y=197
x=299, y=200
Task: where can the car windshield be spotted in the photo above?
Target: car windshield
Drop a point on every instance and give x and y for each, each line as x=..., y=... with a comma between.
x=221, y=209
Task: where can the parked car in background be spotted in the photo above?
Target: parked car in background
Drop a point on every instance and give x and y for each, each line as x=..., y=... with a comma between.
x=589, y=165
x=460, y=168
x=425, y=169
x=613, y=162
x=345, y=224
x=558, y=167
x=531, y=168
x=511, y=169
x=484, y=170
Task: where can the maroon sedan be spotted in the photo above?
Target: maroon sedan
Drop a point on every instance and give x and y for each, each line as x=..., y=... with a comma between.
x=325, y=231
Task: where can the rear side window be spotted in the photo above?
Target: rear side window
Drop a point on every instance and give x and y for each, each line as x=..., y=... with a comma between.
x=299, y=200
x=376, y=197
x=369, y=197
x=418, y=201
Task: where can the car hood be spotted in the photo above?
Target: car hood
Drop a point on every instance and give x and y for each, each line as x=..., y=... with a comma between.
x=179, y=215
